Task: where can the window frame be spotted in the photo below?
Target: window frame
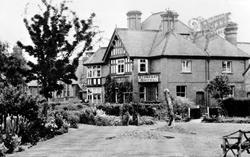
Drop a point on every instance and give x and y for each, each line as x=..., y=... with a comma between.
x=226, y=71
x=143, y=63
x=184, y=68
x=119, y=65
x=178, y=93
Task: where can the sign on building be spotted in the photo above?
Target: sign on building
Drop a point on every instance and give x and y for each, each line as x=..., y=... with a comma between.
x=148, y=78
x=215, y=24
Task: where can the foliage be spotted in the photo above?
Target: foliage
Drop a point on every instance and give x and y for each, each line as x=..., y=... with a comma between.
x=233, y=107
x=11, y=142
x=55, y=34
x=111, y=86
x=101, y=119
x=87, y=116
x=219, y=87
x=146, y=120
x=13, y=67
x=181, y=106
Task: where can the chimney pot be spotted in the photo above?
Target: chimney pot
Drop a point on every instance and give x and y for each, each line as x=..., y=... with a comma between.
x=169, y=19
x=231, y=32
x=134, y=20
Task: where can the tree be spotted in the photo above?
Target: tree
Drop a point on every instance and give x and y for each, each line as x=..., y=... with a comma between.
x=219, y=87
x=3, y=58
x=55, y=35
x=16, y=69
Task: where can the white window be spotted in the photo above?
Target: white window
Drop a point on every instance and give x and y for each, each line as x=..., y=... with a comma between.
x=186, y=66
x=143, y=66
x=226, y=66
x=181, y=91
x=94, y=71
x=120, y=66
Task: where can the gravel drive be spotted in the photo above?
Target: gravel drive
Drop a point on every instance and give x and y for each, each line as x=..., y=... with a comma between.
x=183, y=140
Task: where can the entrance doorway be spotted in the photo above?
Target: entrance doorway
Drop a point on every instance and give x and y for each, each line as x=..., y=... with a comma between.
x=200, y=101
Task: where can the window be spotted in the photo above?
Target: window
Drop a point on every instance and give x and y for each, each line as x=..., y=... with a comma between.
x=181, y=91
x=226, y=66
x=143, y=66
x=120, y=66
x=186, y=66
x=142, y=93
x=94, y=71
x=232, y=89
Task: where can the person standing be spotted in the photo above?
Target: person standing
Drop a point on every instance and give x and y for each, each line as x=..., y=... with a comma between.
x=169, y=105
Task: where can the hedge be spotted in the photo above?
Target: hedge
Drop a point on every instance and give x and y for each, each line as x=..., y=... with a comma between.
x=233, y=107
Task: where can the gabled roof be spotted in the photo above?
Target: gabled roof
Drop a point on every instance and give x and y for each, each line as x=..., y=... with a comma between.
x=136, y=43
x=153, y=22
x=173, y=44
x=216, y=46
x=97, y=57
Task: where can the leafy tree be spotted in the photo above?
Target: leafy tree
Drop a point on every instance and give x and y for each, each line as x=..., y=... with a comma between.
x=16, y=69
x=3, y=58
x=55, y=35
x=219, y=87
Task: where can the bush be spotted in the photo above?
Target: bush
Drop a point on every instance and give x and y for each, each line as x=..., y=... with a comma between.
x=101, y=119
x=146, y=120
x=69, y=106
x=110, y=109
x=73, y=118
x=181, y=106
x=11, y=142
x=233, y=107
x=87, y=116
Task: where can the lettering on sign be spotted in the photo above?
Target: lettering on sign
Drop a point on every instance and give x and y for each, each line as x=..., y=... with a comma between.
x=148, y=78
x=215, y=24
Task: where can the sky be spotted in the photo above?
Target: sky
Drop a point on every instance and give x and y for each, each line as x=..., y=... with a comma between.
x=112, y=13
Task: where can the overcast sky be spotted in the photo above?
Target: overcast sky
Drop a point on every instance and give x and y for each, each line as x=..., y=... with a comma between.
x=112, y=13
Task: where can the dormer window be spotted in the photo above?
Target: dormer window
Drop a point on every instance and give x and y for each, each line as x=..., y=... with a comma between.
x=186, y=66
x=227, y=67
x=143, y=65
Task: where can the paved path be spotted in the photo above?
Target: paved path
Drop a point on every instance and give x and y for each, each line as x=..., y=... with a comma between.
x=91, y=141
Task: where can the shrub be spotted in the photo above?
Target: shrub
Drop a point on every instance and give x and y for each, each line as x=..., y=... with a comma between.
x=11, y=142
x=110, y=109
x=73, y=118
x=181, y=106
x=146, y=120
x=87, y=116
x=101, y=119
x=236, y=107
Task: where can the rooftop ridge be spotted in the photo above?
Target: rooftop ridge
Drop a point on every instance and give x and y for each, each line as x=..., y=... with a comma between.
x=137, y=30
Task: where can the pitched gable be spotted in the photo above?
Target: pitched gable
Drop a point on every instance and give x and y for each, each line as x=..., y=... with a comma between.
x=137, y=43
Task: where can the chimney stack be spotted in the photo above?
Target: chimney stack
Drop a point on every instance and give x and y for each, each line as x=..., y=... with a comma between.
x=231, y=33
x=134, y=20
x=169, y=19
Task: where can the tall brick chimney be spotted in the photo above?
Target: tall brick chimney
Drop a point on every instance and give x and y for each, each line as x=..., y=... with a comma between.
x=169, y=19
x=231, y=32
x=134, y=20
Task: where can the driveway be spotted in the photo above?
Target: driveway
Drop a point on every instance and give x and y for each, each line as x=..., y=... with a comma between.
x=185, y=139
